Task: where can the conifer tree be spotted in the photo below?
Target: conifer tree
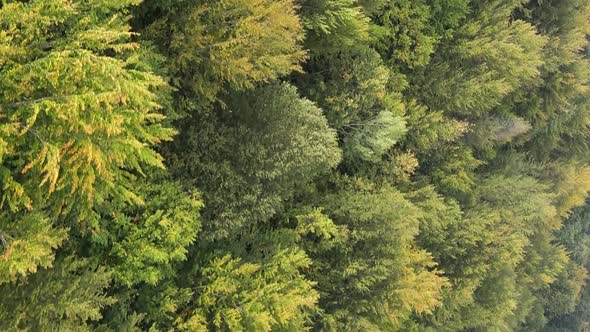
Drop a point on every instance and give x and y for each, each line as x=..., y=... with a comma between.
x=144, y=243
x=334, y=24
x=370, y=273
x=247, y=162
x=28, y=242
x=66, y=297
x=558, y=108
x=337, y=165
x=80, y=119
x=236, y=42
x=567, y=300
x=264, y=290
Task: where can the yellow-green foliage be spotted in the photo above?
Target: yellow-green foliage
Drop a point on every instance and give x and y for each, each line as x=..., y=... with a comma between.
x=242, y=296
x=148, y=240
x=80, y=116
x=67, y=297
x=80, y=112
x=336, y=165
x=369, y=269
x=571, y=184
x=28, y=242
x=238, y=42
x=334, y=24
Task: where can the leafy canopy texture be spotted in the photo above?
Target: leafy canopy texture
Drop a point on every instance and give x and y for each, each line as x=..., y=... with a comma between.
x=238, y=42
x=294, y=165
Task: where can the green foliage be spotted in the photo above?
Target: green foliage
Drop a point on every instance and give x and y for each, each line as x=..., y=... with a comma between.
x=407, y=32
x=334, y=24
x=249, y=161
x=429, y=130
x=402, y=33
x=493, y=253
x=66, y=297
x=490, y=59
x=350, y=86
x=80, y=121
x=238, y=296
x=558, y=108
x=79, y=107
x=575, y=235
x=238, y=42
x=145, y=241
x=28, y=242
x=565, y=293
x=337, y=165
x=372, y=139
x=369, y=272
x=571, y=183
x=491, y=132
x=568, y=298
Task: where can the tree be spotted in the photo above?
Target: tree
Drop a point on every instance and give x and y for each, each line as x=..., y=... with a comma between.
x=375, y=137
x=370, y=273
x=67, y=297
x=558, y=108
x=568, y=299
x=489, y=58
x=350, y=86
x=263, y=291
x=144, y=243
x=249, y=161
x=337, y=165
x=237, y=42
x=28, y=243
x=334, y=24
x=80, y=119
x=491, y=252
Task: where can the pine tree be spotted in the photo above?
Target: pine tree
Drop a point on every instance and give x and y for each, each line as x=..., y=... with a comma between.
x=491, y=252
x=28, y=242
x=489, y=58
x=340, y=165
x=350, y=86
x=567, y=300
x=334, y=24
x=558, y=108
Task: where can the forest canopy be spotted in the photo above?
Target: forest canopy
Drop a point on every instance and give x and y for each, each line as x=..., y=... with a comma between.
x=294, y=165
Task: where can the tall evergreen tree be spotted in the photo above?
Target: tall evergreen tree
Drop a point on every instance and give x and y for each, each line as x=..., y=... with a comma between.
x=337, y=165
x=80, y=119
